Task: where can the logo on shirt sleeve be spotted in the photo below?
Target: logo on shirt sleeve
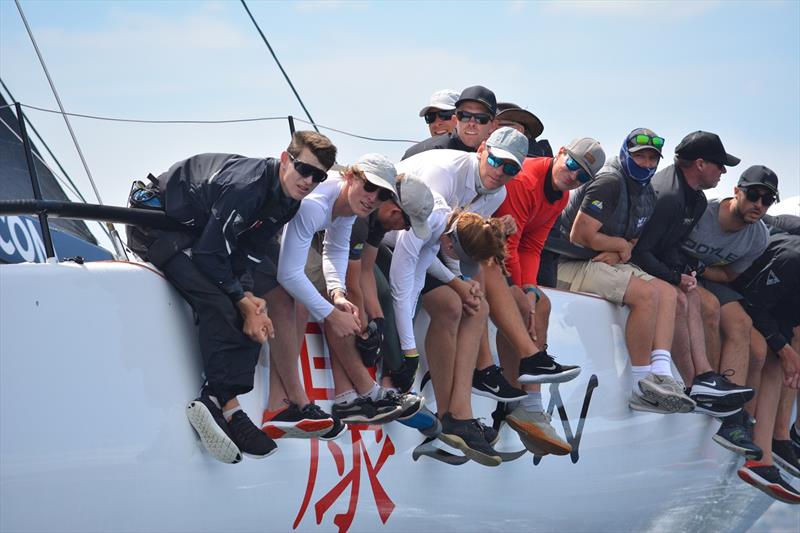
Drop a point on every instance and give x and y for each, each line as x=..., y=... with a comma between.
x=597, y=205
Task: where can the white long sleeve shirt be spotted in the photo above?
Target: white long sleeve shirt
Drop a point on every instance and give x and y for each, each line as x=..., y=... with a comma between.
x=410, y=260
x=315, y=214
x=453, y=174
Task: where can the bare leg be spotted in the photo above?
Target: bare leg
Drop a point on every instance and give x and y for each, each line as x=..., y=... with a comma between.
x=758, y=355
x=710, y=313
x=284, y=351
x=349, y=371
x=485, y=359
x=642, y=299
x=469, y=336
x=444, y=307
x=541, y=318
x=784, y=415
x=735, y=326
x=509, y=359
x=697, y=338
x=769, y=398
x=665, y=314
x=505, y=313
x=681, y=342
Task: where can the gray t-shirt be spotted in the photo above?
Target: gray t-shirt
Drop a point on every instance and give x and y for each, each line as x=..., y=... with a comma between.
x=737, y=250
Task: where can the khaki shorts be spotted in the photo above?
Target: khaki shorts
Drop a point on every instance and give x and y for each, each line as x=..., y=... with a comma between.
x=607, y=281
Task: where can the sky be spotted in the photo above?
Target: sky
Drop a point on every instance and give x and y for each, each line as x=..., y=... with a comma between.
x=596, y=69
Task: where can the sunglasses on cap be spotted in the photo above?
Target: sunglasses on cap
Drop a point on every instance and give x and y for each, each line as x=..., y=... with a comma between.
x=767, y=198
x=480, y=118
x=647, y=140
x=431, y=116
x=509, y=168
x=317, y=175
x=383, y=194
x=573, y=165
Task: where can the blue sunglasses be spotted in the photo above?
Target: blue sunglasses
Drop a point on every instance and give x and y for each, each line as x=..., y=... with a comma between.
x=509, y=169
x=573, y=165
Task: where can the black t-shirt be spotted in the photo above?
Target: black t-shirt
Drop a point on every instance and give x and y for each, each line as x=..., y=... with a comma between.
x=445, y=141
x=602, y=197
x=365, y=230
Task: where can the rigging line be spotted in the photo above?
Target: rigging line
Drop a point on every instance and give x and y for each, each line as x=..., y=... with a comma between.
x=116, y=241
x=70, y=186
x=144, y=121
x=46, y=147
x=7, y=105
x=271, y=51
x=58, y=100
x=358, y=136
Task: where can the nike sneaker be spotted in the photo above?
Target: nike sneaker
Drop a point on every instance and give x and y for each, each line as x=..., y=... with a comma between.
x=734, y=435
x=534, y=427
x=717, y=388
x=468, y=436
x=784, y=456
x=296, y=422
x=490, y=383
x=637, y=402
x=364, y=410
x=666, y=392
x=542, y=368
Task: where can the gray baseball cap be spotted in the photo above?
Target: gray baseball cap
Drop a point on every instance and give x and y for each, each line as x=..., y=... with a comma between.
x=378, y=170
x=416, y=201
x=444, y=100
x=588, y=153
x=508, y=143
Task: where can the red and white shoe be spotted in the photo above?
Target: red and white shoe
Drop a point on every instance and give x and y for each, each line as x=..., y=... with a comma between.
x=295, y=422
x=767, y=479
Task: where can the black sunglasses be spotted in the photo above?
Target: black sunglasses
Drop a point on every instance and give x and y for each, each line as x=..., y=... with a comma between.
x=304, y=169
x=480, y=118
x=431, y=116
x=767, y=198
x=383, y=194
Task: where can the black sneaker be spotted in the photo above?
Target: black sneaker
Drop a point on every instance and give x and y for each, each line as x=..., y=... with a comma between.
x=784, y=456
x=293, y=421
x=364, y=410
x=468, y=436
x=768, y=480
x=733, y=434
x=411, y=404
x=207, y=420
x=794, y=436
x=489, y=433
x=251, y=441
x=717, y=388
x=542, y=368
x=490, y=382
x=336, y=431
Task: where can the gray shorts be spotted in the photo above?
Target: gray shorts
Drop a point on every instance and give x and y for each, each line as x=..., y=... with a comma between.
x=724, y=293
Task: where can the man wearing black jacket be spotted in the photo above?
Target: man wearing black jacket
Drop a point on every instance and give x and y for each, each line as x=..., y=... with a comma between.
x=232, y=208
x=680, y=204
x=771, y=290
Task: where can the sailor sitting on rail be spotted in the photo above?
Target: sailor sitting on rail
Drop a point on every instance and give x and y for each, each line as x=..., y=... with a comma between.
x=355, y=191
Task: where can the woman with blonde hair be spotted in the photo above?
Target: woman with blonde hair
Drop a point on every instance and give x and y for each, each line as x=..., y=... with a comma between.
x=470, y=239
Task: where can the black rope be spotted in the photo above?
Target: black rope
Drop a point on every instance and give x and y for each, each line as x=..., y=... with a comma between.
x=271, y=51
x=142, y=121
x=356, y=135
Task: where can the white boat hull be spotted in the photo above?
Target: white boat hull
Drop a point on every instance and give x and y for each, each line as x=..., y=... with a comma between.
x=97, y=364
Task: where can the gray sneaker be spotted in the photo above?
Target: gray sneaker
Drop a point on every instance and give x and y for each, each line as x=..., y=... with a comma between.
x=640, y=403
x=535, y=428
x=667, y=393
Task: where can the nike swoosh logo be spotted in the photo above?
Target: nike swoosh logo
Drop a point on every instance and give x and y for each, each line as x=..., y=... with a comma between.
x=494, y=389
x=709, y=383
x=551, y=367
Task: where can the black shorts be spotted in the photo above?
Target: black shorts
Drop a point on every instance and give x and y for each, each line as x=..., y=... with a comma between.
x=724, y=293
x=265, y=277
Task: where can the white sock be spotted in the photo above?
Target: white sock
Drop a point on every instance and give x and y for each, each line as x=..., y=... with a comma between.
x=661, y=362
x=345, y=397
x=532, y=402
x=638, y=373
x=375, y=393
x=227, y=415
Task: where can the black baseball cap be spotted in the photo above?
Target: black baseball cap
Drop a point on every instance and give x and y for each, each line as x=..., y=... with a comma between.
x=480, y=94
x=707, y=146
x=759, y=175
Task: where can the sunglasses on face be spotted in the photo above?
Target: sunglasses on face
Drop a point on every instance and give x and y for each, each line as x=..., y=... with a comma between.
x=767, y=198
x=480, y=118
x=383, y=194
x=573, y=165
x=431, y=116
x=646, y=140
x=317, y=175
x=509, y=168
